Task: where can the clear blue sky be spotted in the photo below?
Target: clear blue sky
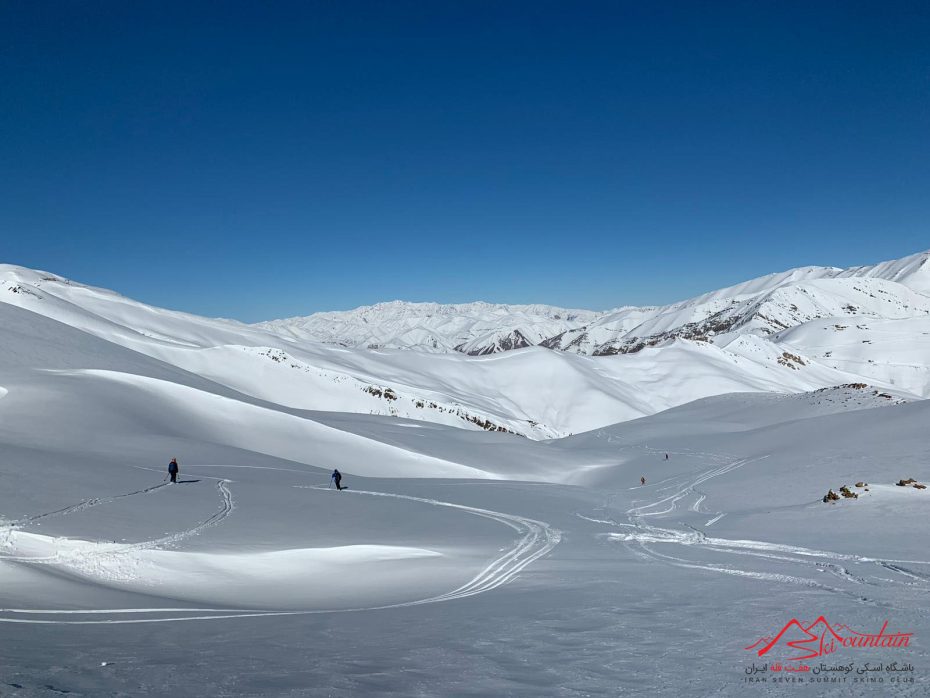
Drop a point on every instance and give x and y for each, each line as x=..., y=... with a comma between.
x=260, y=160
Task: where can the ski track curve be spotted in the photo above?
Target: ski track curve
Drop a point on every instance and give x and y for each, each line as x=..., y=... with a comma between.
x=536, y=541
x=640, y=537
x=86, y=558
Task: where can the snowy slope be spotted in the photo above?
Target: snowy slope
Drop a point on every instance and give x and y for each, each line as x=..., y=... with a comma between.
x=892, y=290
x=912, y=271
x=531, y=392
x=895, y=352
x=886, y=305
x=106, y=572
x=460, y=561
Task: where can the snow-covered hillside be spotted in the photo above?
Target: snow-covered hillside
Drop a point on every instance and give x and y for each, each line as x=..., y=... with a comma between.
x=531, y=392
x=546, y=565
x=890, y=294
x=764, y=306
x=463, y=559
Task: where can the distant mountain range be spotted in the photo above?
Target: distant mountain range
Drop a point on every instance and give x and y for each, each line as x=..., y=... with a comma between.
x=471, y=328
x=536, y=371
x=872, y=321
x=765, y=306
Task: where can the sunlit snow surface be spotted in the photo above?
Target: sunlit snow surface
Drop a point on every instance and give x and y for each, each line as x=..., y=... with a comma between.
x=459, y=561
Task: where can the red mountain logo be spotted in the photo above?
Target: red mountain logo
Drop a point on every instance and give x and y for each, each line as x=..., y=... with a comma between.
x=819, y=638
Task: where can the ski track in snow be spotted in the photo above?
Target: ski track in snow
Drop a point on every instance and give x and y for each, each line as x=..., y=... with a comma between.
x=87, y=558
x=80, y=506
x=6, y=527
x=644, y=536
x=537, y=540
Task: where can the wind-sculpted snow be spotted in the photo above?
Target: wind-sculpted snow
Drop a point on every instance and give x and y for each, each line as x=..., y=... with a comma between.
x=99, y=562
x=538, y=539
x=526, y=522
x=520, y=566
x=275, y=578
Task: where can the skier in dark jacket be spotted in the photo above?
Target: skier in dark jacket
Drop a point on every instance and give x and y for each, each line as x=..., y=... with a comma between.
x=642, y=481
x=337, y=478
x=173, y=469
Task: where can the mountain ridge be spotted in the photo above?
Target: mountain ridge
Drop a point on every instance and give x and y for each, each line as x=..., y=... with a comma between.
x=766, y=336
x=765, y=305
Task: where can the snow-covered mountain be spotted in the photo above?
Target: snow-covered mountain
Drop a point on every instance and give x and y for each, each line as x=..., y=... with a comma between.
x=780, y=314
x=794, y=332
x=896, y=290
x=697, y=485
x=471, y=328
